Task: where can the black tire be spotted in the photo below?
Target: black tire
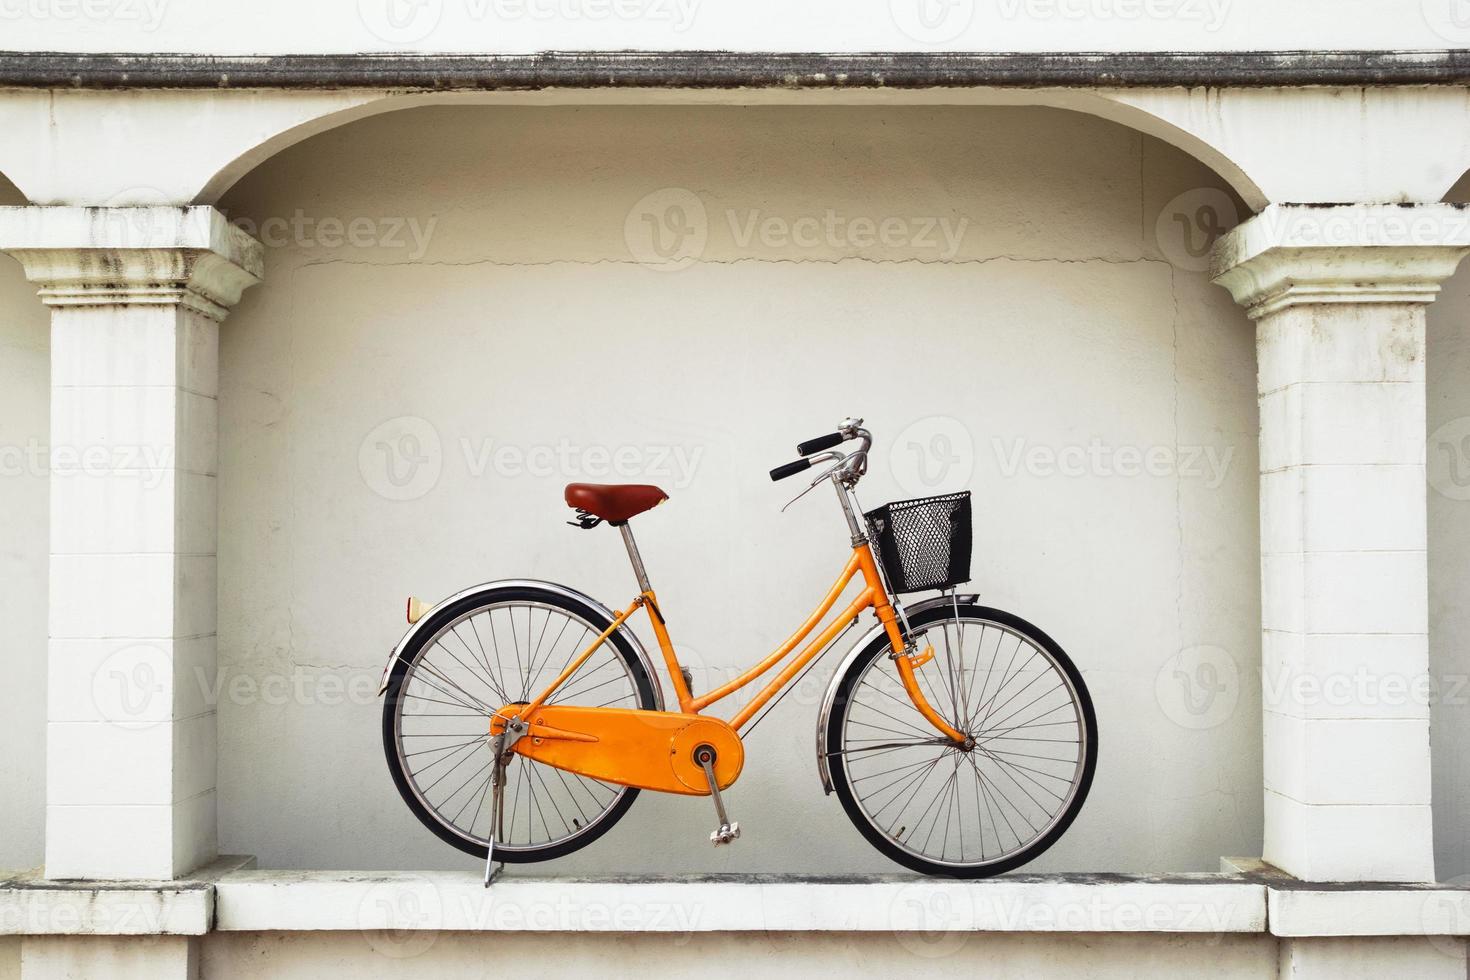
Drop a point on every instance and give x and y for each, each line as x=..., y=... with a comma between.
x=1084, y=765
x=494, y=599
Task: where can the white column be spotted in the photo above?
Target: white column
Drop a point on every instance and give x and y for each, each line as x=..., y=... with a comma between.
x=136, y=298
x=1338, y=295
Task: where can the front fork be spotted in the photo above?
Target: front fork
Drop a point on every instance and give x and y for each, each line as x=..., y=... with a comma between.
x=908, y=660
x=907, y=663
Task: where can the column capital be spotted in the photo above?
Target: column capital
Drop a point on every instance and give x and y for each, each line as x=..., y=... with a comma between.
x=1295, y=254
x=148, y=256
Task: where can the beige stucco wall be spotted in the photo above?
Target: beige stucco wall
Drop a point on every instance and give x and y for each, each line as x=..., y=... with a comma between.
x=377, y=954
x=1056, y=325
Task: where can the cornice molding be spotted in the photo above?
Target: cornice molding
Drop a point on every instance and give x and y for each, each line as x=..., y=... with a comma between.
x=156, y=256
x=735, y=69
x=1291, y=254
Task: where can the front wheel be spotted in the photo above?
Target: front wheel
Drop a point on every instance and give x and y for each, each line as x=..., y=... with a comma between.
x=943, y=809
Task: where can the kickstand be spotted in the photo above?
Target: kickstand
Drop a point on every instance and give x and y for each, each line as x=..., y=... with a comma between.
x=497, y=811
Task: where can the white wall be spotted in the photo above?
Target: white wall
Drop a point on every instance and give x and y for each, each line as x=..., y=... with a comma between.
x=24, y=403
x=526, y=322
x=241, y=27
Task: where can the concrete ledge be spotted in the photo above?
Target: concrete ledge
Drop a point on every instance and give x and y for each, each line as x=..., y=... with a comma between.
x=257, y=901
x=230, y=895
x=33, y=906
x=1305, y=909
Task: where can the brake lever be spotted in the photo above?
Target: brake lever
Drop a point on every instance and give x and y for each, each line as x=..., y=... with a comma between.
x=821, y=477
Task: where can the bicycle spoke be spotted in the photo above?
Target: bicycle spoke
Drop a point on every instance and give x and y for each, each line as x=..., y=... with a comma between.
x=1033, y=722
x=452, y=704
x=469, y=700
x=1017, y=693
x=880, y=728
x=487, y=679
x=1028, y=704
x=913, y=779
x=1005, y=679
x=516, y=645
x=442, y=748
x=429, y=788
x=916, y=729
x=875, y=775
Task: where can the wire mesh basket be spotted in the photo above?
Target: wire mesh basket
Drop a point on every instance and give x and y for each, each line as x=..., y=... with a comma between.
x=923, y=543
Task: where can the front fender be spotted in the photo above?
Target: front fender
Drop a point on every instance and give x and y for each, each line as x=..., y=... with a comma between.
x=562, y=590
x=829, y=699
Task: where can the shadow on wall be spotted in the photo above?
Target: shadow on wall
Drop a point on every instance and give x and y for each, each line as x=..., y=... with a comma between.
x=1447, y=365
x=24, y=407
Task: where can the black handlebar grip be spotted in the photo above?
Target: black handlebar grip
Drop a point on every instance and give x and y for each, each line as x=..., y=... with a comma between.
x=821, y=442
x=790, y=469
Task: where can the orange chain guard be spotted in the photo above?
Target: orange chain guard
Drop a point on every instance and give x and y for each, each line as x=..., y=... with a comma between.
x=646, y=749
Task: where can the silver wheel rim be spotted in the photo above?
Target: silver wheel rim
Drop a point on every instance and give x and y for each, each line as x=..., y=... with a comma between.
x=491, y=655
x=966, y=809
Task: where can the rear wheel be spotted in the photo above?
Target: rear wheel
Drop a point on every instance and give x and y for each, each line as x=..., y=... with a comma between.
x=943, y=809
x=495, y=647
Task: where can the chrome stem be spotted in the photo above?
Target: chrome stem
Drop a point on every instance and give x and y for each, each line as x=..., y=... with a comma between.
x=634, y=557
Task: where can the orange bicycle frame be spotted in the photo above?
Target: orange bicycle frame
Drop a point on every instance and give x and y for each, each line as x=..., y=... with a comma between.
x=874, y=595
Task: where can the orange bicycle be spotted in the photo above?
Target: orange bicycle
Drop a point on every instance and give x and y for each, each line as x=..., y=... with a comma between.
x=523, y=717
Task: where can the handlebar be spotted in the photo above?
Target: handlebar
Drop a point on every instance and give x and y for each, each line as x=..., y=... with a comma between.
x=850, y=466
x=790, y=469
x=821, y=442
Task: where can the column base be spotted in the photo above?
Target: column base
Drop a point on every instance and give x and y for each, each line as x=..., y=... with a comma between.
x=1372, y=957
x=1345, y=842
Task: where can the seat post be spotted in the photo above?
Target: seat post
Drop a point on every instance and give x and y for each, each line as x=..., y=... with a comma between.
x=634, y=557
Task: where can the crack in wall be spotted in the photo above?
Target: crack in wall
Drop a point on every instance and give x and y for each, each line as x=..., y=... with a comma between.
x=762, y=260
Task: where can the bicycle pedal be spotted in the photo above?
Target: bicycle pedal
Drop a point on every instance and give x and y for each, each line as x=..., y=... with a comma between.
x=727, y=833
